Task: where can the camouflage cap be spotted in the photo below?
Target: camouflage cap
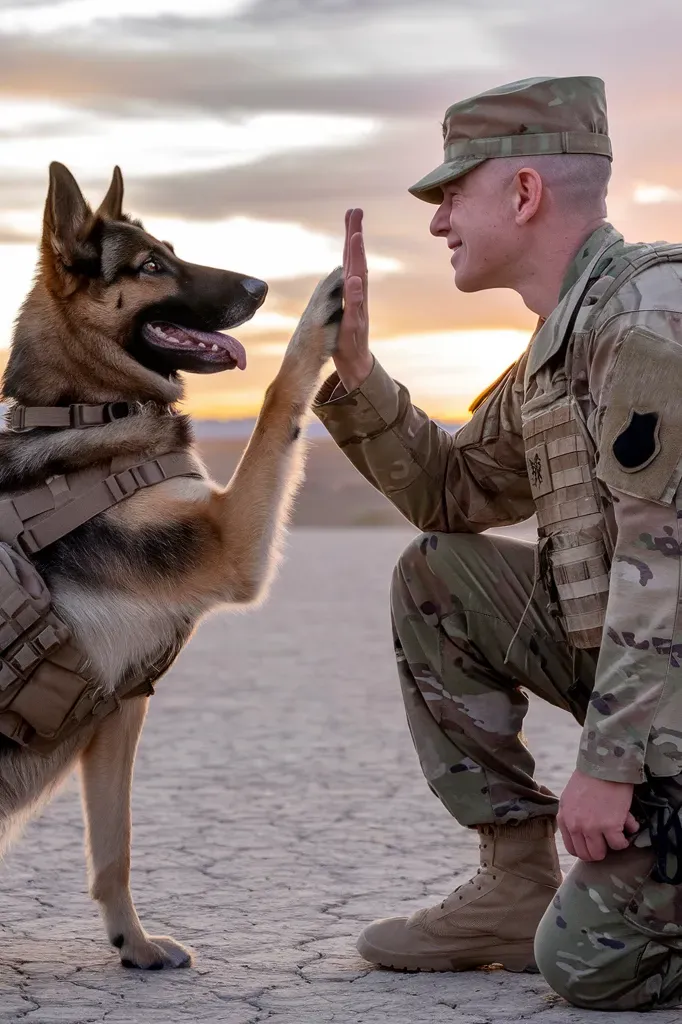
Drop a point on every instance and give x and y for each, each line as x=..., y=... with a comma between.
x=529, y=118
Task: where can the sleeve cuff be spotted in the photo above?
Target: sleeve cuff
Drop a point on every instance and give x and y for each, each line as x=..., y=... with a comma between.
x=366, y=412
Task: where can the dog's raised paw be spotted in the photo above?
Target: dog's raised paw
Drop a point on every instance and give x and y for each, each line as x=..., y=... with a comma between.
x=331, y=302
x=336, y=303
x=154, y=953
x=326, y=301
x=318, y=329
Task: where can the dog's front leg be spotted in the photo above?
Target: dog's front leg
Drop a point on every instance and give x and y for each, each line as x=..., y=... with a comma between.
x=253, y=507
x=107, y=773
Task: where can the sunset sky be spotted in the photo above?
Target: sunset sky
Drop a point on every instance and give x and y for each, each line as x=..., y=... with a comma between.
x=245, y=128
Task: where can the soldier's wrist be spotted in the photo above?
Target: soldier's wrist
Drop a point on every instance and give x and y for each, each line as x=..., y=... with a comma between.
x=354, y=374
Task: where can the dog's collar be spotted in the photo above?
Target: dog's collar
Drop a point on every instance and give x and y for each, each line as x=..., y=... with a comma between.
x=26, y=417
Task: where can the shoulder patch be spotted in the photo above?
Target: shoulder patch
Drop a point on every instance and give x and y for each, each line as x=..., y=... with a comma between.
x=640, y=448
x=638, y=443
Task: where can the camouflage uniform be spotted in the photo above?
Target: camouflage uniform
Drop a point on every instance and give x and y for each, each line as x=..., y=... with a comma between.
x=477, y=618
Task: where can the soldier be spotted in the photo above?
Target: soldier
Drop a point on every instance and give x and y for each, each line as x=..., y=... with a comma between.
x=585, y=431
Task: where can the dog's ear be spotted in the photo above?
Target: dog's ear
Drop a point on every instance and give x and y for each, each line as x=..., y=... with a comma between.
x=112, y=204
x=67, y=224
x=66, y=211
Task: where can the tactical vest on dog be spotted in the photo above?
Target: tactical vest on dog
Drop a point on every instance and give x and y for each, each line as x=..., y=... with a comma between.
x=575, y=547
x=47, y=689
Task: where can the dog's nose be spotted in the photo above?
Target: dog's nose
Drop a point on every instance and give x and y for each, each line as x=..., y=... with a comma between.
x=255, y=288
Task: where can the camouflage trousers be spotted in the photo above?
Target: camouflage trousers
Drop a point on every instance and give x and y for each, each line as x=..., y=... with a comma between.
x=613, y=938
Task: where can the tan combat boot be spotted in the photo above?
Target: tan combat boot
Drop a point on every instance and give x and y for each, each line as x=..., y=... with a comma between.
x=490, y=920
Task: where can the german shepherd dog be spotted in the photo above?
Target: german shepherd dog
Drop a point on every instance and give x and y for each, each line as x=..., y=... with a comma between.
x=113, y=315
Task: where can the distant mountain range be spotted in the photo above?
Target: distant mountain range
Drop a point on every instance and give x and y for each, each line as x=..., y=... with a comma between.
x=228, y=429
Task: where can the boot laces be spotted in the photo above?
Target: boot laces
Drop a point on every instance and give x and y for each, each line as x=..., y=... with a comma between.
x=471, y=883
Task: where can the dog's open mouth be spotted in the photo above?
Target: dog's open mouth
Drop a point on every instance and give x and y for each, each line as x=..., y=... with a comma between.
x=211, y=346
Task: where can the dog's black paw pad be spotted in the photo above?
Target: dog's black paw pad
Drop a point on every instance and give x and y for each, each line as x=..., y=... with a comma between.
x=336, y=292
x=157, y=965
x=336, y=317
x=118, y=942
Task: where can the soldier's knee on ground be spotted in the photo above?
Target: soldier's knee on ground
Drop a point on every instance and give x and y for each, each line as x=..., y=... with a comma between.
x=553, y=943
x=613, y=985
x=587, y=951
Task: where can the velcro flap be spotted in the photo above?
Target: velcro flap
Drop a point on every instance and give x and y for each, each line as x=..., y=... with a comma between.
x=47, y=641
x=25, y=658
x=640, y=448
x=47, y=700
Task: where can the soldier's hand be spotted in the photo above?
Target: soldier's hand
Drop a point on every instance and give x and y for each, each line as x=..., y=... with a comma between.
x=352, y=357
x=594, y=816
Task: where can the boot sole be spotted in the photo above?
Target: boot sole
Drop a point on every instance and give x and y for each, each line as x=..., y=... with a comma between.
x=513, y=958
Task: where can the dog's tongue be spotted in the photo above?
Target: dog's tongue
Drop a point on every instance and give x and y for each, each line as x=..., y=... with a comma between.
x=223, y=341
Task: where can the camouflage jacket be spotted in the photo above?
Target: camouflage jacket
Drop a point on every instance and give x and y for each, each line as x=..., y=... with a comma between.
x=625, y=368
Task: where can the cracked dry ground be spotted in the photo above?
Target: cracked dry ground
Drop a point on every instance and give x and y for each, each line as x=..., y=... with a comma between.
x=278, y=806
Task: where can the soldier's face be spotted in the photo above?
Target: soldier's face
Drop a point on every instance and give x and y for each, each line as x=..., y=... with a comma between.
x=476, y=218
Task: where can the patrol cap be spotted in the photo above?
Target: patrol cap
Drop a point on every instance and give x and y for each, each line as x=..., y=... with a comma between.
x=534, y=117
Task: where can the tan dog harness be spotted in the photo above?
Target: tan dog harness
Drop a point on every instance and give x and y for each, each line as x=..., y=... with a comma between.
x=47, y=690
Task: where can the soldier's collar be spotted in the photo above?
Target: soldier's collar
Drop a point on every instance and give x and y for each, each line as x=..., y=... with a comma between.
x=598, y=240
x=551, y=335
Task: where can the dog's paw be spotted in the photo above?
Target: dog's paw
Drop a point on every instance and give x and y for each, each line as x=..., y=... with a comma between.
x=318, y=328
x=154, y=953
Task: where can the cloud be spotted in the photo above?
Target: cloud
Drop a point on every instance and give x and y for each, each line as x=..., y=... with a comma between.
x=313, y=186
x=44, y=17
x=270, y=250
x=380, y=59
x=209, y=82
x=304, y=40
x=269, y=323
x=654, y=194
x=161, y=144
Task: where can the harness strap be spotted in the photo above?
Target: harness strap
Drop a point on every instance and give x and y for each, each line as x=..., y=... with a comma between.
x=15, y=512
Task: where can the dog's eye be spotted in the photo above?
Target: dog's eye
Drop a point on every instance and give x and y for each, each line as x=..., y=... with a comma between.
x=152, y=266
